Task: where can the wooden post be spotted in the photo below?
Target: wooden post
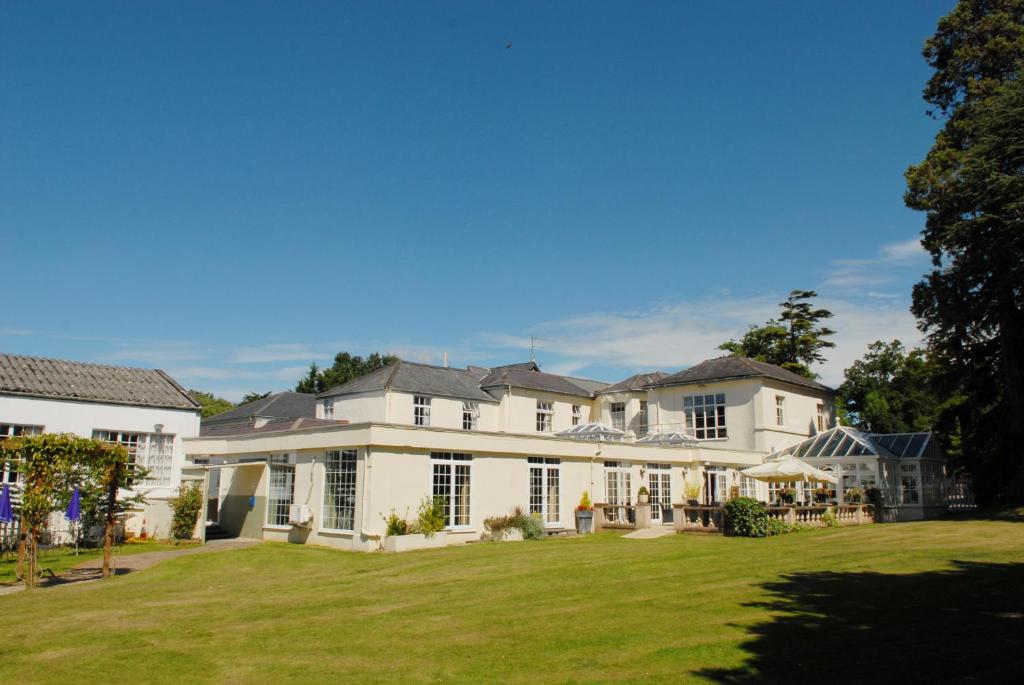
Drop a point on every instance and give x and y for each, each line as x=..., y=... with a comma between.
x=108, y=531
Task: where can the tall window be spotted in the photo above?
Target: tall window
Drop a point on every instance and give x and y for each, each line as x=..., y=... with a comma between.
x=339, y=490
x=659, y=486
x=705, y=414
x=822, y=419
x=642, y=418
x=780, y=410
x=421, y=410
x=152, y=451
x=9, y=471
x=451, y=482
x=282, y=489
x=470, y=415
x=576, y=414
x=617, y=482
x=544, y=484
x=747, y=487
x=329, y=408
x=908, y=479
x=619, y=415
x=545, y=412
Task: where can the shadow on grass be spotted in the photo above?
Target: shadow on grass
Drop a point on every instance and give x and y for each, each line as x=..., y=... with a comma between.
x=941, y=626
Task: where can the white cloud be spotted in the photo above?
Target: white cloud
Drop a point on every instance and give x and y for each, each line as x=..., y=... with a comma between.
x=157, y=352
x=893, y=262
x=283, y=352
x=909, y=250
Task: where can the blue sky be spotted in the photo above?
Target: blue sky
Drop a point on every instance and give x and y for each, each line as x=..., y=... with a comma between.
x=229, y=191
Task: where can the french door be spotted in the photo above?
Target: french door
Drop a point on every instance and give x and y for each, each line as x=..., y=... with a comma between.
x=659, y=483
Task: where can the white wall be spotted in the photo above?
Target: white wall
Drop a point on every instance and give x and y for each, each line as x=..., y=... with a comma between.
x=358, y=408
x=800, y=415
x=82, y=418
x=666, y=409
x=519, y=410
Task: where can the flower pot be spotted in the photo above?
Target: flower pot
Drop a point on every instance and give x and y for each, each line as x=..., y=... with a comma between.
x=642, y=499
x=584, y=521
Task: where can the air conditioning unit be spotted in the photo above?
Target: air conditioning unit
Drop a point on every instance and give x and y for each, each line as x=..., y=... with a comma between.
x=299, y=515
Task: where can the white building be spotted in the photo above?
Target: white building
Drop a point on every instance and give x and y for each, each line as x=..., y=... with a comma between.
x=142, y=409
x=488, y=440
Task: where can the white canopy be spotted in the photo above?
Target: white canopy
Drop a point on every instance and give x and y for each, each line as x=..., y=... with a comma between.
x=788, y=470
x=592, y=431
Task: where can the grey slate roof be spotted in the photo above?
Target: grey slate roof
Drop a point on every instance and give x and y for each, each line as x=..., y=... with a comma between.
x=529, y=376
x=248, y=428
x=723, y=368
x=69, y=380
x=417, y=378
x=636, y=382
x=282, y=405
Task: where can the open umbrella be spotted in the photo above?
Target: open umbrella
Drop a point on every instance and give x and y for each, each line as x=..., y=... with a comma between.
x=6, y=510
x=74, y=511
x=787, y=470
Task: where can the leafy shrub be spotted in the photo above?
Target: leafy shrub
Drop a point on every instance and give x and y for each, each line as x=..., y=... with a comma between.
x=497, y=526
x=829, y=518
x=642, y=491
x=854, y=495
x=431, y=515
x=532, y=526
x=778, y=527
x=396, y=524
x=746, y=517
x=186, y=506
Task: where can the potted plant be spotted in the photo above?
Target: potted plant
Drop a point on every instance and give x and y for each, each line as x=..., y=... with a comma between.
x=642, y=496
x=787, y=495
x=585, y=515
x=821, y=496
x=854, y=495
x=692, y=492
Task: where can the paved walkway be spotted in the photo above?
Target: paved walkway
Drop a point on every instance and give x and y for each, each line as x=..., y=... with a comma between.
x=648, y=533
x=128, y=563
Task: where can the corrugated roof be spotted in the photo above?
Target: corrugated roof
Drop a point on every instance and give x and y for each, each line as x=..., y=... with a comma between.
x=723, y=368
x=70, y=380
x=282, y=405
x=417, y=378
x=636, y=382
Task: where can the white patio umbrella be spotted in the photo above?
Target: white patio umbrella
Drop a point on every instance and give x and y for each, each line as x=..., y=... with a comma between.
x=788, y=470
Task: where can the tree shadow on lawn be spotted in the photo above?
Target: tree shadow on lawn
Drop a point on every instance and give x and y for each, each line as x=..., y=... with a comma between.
x=938, y=626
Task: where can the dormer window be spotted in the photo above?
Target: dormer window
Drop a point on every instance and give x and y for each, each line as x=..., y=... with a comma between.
x=421, y=410
x=545, y=414
x=470, y=415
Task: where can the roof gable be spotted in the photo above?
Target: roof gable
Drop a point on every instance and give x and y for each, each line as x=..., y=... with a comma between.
x=83, y=381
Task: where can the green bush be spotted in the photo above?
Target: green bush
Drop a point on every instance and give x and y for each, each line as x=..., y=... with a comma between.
x=532, y=526
x=186, y=506
x=746, y=517
x=778, y=527
x=431, y=515
x=396, y=524
x=829, y=518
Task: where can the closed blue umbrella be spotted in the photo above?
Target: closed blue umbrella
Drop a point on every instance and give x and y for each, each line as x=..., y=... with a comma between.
x=74, y=511
x=6, y=510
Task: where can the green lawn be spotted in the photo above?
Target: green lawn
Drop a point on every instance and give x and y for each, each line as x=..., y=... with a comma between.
x=885, y=603
x=60, y=559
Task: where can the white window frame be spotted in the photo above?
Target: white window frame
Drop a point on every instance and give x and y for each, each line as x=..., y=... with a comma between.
x=279, y=463
x=546, y=472
x=577, y=414
x=545, y=416
x=618, y=414
x=329, y=408
x=821, y=418
x=151, y=451
x=470, y=415
x=343, y=476
x=696, y=410
x=659, y=488
x=421, y=410
x=9, y=471
x=780, y=410
x=642, y=426
x=454, y=465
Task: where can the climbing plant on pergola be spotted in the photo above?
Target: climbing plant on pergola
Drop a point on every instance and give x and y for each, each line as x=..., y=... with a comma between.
x=49, y=467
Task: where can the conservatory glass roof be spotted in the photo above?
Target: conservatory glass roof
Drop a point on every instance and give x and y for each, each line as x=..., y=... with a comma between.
x=843, y=441
x=592, y=431
x=672, y=438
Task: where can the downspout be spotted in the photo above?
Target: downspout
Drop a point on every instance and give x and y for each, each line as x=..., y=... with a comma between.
x=366, y=488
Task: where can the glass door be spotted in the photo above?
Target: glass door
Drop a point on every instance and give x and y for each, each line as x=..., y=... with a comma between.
x=659, y=483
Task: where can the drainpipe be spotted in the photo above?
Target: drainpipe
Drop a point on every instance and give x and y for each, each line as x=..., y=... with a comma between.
x=366, y=488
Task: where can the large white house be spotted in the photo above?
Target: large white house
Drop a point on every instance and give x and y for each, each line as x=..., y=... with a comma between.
x=488, y=440
x=142, y=409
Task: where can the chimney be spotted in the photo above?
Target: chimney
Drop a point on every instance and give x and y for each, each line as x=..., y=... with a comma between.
x=446, y=360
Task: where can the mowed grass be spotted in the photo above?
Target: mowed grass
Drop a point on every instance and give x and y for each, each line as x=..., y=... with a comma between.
x=929, y=601
x=58, y=560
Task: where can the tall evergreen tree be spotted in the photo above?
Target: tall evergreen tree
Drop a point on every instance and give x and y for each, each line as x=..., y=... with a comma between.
x=794, y=341
x=971, y=186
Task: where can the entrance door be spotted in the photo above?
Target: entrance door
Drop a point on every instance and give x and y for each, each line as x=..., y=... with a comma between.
x=659, y=483
x=717, y=484
x=617, y=490
x=213, y=498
